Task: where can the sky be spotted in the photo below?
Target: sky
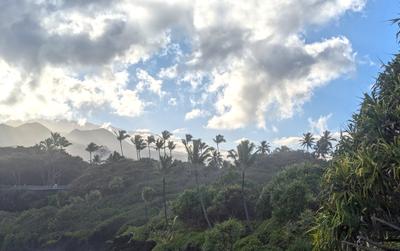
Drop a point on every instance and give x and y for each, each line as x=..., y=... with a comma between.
x=256, y=69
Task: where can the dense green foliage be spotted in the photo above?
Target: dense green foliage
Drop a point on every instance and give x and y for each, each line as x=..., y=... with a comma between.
x=110, y=199
x=362, y=185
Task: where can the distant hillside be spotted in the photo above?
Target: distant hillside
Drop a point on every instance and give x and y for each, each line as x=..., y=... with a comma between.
x=100, y=136
x=16, y=133
x=24, y=135
x=62, y=126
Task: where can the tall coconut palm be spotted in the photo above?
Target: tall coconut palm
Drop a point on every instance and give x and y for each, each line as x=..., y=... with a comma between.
x=97, y=159
x=91, y=148
x=198, y=153
x=47, y=145
x=165, y=135
x=186, y=142
x=307, y=141
x=243, y=158
x=218, y=140
x=55, y=137
x=171, y=146
x=139, y=143
x=216, y=160
x=264, y=148
x=159, y=145
x=166, y=163
x=121, y=136
x=324, y=145
x=59, y=141
x=150, y=140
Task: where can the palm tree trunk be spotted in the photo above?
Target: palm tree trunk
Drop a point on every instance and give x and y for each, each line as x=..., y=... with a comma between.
x=165, y=203
x=90, y=157
x=146, y=211
x=149, y=152
x=120, y=144
x=203, y=208
x=246, y=211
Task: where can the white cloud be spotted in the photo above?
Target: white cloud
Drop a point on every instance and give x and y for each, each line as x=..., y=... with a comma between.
x=291, y=142
x=320, y=125
x=179, y=131
x=62, y=59
x=142, y=131
x=82, y=121
x=264, y=65
x=241, y=139
x=170, y=72
x=196, y=113
x=146, y=81
x=172, y=102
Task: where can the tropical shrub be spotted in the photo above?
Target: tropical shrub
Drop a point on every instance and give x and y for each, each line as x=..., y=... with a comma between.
x=362, y=185
x=223, y=236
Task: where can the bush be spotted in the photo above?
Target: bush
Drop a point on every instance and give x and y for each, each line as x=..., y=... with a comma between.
x=116, y=184
x=93, y=196
x=289, y=201
x=187, y=206
x=223, y=236
x=249, y=243
x=228, y=203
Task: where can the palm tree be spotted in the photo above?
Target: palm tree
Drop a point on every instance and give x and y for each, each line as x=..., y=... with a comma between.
x=63, y=143
x=47, y=145
x=139, y=143
x=166, y=163
x=97, y=159
x=91, y=148
x=216, y=159
x=171, y=146
x=186, y=141
x=307, y=141
x=327, y=136
x=218, y=140
x=165, y=135
x=198, y=153
x=55, y=137
x=159, y=145
x=150, y=140
x=59, y=141
x=121, y=136
x=324, y=145
x=264, y=148
x=243, y=158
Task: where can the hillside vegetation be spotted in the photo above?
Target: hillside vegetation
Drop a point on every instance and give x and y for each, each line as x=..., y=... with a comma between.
x=105, y=200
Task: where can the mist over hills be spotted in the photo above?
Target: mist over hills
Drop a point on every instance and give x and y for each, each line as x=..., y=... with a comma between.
x=18, y=133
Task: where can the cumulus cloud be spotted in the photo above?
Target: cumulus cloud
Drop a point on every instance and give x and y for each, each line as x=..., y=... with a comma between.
x=146, y=81
x=291, y=141
x=172, y=102
x=264, y=65
x=180, y=131
x=64, y=57
x=320, y=125
x=196, y=113
x=59, y=59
